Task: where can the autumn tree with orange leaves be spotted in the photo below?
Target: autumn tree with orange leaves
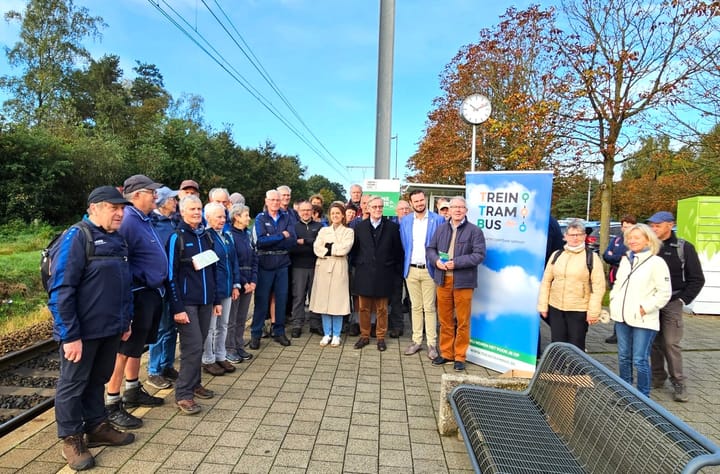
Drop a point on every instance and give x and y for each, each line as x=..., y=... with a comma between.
x=513, y=65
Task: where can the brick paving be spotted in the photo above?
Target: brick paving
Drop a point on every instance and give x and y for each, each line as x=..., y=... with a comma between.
x=309, y=409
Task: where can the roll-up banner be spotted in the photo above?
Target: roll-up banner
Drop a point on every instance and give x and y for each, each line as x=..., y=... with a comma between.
x=513, y=210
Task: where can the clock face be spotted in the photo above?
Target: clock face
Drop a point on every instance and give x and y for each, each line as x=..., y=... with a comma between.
x=476, y=108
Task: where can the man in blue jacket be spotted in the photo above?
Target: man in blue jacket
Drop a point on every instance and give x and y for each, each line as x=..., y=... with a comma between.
x=456, y=250
x=274, y=233
x=416, y=231
x=91, y=305
x=148, y=265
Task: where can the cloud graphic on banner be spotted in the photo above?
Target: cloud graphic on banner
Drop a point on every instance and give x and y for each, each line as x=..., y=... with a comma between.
x=503, y=217
x=506, y=292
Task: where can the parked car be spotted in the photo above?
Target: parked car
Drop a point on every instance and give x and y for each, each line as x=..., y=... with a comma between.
x=593, y=238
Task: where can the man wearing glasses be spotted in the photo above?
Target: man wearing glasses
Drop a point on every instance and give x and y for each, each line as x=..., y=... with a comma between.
x=149, y=268
x=456, y=249
x=378, y=257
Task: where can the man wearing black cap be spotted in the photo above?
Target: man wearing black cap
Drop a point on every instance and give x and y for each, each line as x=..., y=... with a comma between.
x=687, y=279
x=149, y=269
x=91, y=304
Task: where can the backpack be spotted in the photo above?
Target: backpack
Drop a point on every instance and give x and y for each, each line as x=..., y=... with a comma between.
x=680, y=249
x=588, y=263
x=181, y=239
x=48, y=253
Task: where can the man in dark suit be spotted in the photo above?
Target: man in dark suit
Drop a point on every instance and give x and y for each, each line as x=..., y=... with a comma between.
x=378, y=257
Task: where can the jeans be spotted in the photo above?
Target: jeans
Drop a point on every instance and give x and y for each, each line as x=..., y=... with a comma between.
x=634, y=350
x=332, y=325
x=214, y=350
x=270, y=281
x=162, y=353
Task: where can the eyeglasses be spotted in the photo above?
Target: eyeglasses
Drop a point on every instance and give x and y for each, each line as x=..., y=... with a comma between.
x=375, y=207
x=154, y=193
x=457, y=207
x=575, y=235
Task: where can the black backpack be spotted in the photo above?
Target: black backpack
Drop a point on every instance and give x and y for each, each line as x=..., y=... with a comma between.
x=588, y=262
x=48, y=253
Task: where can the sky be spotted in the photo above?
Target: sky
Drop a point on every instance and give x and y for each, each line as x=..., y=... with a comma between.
x=321, y=54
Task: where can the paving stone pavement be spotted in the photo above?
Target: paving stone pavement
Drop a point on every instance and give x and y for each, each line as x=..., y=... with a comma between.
x=309, y=409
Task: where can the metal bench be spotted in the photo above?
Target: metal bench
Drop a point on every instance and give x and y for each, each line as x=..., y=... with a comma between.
x=575, y=417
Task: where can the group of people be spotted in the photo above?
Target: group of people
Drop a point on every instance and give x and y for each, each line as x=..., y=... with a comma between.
x=653, y=274
x=163, y=265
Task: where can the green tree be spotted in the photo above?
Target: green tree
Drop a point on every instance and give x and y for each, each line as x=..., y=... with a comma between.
x=330, y=190
x=50, y=46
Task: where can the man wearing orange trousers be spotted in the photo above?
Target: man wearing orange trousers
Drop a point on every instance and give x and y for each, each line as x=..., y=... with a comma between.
x=456, y=249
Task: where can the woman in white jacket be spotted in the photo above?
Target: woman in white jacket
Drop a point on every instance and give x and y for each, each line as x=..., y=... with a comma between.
x=642, y=287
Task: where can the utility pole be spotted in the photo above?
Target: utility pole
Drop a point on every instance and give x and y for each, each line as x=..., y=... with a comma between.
x=395, y=137
x=384, y=91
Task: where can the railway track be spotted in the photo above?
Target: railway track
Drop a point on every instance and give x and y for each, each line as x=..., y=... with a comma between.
x=27, y=384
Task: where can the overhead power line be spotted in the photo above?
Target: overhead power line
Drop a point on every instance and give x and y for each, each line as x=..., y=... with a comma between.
x=201, y=42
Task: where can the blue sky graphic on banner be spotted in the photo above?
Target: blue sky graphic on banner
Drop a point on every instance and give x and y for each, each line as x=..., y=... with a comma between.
x=512, y=209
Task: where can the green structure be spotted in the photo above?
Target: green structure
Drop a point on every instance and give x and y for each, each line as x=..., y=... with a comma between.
x=698, y=222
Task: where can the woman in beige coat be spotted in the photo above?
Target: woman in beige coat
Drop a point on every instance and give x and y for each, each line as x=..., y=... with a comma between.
x=569, y=295
x=330, y=296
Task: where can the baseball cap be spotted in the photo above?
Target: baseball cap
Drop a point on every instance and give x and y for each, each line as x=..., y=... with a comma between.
x=662, y=216
x=443, y=205
x=107, y=194
x=189, y=183
x=137, y=182
x=163, y=194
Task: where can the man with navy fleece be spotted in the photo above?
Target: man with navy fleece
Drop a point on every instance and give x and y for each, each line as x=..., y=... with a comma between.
x=274, y=233
x=148, y=265
x=91, y=305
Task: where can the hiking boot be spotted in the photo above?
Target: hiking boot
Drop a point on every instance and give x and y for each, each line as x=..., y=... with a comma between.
x=105, y=434
x=120, y=418
x=188, y=407
x=202, y=392
x=226, y=366
x=170, y=373
x=296, y=332
x=138, y=397
x=282, y=340
x=255, y=343
x=76, y=453
x=680, y=394
x=158, y=381
x=213, y=369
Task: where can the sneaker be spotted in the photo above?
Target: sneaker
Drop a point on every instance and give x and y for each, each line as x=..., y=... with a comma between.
x=202, y=392
x=255, y=343
x=105, y=434
x=170, y=373
x=188, y=407
x=138, y=397
x=76, y=453
x=234, y=358
x=440, y=360
x=158, y=381
x=432, y=352
x=335, y=341
x=226, y=366
x=244, y=355
x=325, y=341
x=680, y=394
x=412, y=349
x=213, y=369
x=120, y=418
x=459, y=366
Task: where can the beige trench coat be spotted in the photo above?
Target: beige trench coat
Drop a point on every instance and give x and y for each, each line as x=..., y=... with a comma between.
x=331, y=286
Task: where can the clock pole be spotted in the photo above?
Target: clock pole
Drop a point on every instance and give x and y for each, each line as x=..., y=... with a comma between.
x=472, y=157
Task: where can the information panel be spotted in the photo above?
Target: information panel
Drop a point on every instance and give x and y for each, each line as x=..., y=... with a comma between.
x=513, y=210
